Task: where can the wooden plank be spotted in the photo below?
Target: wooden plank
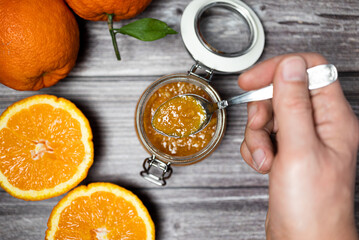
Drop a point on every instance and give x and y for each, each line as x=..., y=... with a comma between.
x=109, y=103
x=220, y=197
x=195, y=213
x=177, y=213
x=327, y=27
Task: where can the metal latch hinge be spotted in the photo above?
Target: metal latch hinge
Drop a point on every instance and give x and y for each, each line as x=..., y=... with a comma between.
x=152, y=165
x=208, y=71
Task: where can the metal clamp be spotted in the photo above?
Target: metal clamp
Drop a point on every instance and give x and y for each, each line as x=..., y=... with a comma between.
x=208, y=71
x=164, y=170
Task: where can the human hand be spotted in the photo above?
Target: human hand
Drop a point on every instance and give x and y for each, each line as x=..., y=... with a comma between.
x=312, y=169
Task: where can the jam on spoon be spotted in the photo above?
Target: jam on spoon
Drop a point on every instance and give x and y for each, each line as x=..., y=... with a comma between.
x=180, y=116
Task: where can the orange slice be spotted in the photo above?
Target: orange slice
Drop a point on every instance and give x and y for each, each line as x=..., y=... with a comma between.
x=45, y=147
x=100, y=211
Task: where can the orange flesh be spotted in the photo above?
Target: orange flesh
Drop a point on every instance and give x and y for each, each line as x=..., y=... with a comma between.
x=180, y=116
x=102, y=215
x=177, y=146
x=40, y=148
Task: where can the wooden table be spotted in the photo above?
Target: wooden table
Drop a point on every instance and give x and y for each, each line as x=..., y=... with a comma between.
x=220, y=197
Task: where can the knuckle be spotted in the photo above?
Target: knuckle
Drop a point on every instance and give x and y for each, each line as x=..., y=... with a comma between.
x=297, y=105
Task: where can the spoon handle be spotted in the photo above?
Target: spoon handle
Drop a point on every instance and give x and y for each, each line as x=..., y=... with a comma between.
x=318, y=76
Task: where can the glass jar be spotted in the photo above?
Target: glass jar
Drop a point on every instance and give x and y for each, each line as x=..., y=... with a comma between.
x=157, y=167
x=158, y=157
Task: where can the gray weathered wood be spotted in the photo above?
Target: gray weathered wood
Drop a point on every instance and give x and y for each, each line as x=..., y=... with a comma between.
x=197, y=213
x=192, y=213
x=220, y=197
x=327, y=27
x=110, y=102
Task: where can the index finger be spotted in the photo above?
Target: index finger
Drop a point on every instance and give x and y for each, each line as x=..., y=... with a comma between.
x=331, y=108
x=262, y=74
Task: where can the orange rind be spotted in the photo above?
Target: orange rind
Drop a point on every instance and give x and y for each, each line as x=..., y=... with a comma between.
x=46, y=147
x=100, y=211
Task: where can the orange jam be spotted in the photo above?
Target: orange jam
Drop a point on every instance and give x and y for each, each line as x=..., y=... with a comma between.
x=180, y=116
x=177, y=146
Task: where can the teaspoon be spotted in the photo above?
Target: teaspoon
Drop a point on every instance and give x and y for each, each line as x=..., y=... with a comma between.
x=318, y=76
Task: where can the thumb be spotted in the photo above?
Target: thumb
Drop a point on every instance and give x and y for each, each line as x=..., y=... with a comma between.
x=292, y=106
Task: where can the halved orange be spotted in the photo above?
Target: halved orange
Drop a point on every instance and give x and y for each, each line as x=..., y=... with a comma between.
x=45, y=147
x=100, y=211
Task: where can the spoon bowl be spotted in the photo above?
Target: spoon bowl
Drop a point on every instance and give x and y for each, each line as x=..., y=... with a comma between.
x=182, y=115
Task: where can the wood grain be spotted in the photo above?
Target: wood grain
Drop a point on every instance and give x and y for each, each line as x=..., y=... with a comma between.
x=220, y=197
x=328, y=27
x=178, y=213
x=109, y=103
x=197, y=213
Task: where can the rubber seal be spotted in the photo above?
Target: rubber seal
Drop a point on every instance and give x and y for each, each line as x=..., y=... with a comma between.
x=221, y=63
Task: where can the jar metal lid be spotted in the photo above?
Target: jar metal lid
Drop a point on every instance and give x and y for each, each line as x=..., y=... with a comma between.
x=225, y=63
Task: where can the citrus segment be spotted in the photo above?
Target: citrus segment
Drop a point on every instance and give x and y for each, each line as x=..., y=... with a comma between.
x=45, y=149
x=100, y=211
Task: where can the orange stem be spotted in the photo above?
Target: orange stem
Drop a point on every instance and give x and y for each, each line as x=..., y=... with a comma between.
x=113, y=33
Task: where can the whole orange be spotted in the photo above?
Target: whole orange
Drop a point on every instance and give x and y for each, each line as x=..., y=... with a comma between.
x=39, y=42
x=98, y=10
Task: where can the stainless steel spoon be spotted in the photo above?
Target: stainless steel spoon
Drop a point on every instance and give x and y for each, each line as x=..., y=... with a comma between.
x=318, y=76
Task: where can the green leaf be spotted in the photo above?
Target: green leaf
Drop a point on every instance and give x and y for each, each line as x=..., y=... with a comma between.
x=147, y=29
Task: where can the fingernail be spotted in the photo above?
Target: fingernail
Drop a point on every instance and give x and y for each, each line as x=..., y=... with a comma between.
x=258, y=158
x=294, y=69
x=252, y=109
